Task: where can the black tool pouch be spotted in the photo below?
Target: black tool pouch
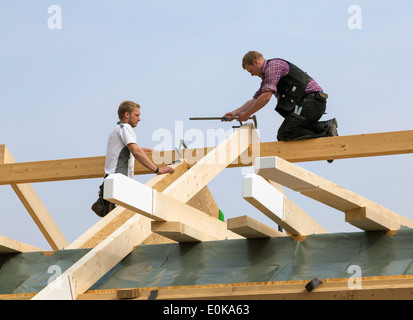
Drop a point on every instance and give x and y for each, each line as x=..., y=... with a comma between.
x=101, y=206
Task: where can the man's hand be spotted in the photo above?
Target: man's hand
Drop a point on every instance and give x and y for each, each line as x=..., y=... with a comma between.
x=228, y=116
x=243, y=116
x=166, y=170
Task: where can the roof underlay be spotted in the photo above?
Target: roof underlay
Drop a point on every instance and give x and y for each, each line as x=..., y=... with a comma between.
x=325, y=256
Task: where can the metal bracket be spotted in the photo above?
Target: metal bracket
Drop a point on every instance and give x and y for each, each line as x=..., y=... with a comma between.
x=181, y=144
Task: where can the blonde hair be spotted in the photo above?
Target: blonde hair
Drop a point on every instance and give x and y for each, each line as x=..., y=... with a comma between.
x=250, y=56
x=126, y=106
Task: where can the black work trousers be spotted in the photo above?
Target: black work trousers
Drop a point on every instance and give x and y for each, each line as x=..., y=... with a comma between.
x=302, y=122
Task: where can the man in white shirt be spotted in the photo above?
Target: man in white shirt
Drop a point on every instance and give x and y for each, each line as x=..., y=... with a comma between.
x=122, y=150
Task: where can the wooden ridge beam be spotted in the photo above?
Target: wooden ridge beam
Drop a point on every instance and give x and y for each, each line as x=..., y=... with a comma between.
x=375, y=217
x=341, y=147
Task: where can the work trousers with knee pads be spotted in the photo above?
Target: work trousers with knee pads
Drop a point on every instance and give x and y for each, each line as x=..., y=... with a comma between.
x=302, y=122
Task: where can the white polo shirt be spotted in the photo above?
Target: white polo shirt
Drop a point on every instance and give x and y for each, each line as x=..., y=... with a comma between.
x=118, y=157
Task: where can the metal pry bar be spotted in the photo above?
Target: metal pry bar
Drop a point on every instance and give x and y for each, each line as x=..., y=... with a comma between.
x=253, y=118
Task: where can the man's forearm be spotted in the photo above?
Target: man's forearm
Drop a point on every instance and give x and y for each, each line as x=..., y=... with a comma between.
x=259, y=103
x=140, y=155
x=245, y=106
x=144, y=160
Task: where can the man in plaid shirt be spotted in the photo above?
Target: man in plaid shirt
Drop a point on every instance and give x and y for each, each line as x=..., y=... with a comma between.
x=301, y=100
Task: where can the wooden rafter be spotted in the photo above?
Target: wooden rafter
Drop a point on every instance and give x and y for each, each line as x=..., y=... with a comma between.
x=96, y=263
x=360, y=212
x=35, y=207
x=342, y=147
x=274, y=204
x=8, y=245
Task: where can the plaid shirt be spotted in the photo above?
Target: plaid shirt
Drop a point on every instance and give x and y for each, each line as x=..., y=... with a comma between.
x=273, y=71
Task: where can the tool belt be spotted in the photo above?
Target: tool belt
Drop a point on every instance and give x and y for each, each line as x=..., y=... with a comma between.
x=319, y=95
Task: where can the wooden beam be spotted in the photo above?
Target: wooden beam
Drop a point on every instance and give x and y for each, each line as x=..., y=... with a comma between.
x=158, y=206
x=342, y=147
x=367, y=219
x=35, y=207
x=8, y=245
x=331, y=194
x=250, y=228
x=398, y=287
x=180, y=232
x=270, y=201
x=96, y=263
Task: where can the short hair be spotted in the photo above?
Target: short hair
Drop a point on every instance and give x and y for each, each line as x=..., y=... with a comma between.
x=126, y=106
x=250, y=56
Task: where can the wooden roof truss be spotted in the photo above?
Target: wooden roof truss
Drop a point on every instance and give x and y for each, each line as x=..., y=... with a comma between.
x=180, y=207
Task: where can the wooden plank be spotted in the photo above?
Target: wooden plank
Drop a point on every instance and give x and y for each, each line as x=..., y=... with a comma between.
x=398, y=287
x=8, y=245
x=250, y=228
x=273, y=203
x=331, y=194
x=368, y=220
x=97, y=262
x=180, y=232
x=35, y=207
x=341, y=147
x=128, y=293
x=158, y=206
x=372, y=288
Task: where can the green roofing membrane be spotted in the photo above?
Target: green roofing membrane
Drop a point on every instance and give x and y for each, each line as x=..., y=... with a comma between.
x=227, y=261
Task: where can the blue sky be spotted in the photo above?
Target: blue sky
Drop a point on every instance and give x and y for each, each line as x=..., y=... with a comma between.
x=60, y=89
